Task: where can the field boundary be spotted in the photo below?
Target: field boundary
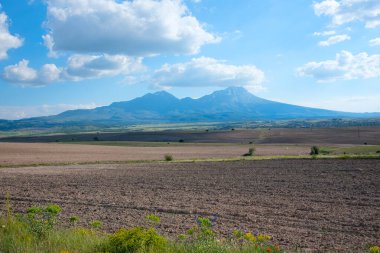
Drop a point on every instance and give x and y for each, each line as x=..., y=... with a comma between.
x=228, y=159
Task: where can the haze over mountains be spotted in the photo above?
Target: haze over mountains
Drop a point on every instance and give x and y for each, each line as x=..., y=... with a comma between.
x=231, y=104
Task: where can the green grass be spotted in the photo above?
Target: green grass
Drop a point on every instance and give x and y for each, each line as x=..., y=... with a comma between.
x=18, y=234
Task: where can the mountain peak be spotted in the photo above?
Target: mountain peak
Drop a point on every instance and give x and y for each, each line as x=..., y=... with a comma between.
x=236, y=89
x=160, y=95
x=236, y=94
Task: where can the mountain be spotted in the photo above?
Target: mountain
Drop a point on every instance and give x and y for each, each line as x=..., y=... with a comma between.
x=231, y=104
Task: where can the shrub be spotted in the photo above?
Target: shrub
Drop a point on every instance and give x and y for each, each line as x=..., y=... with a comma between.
x=135, y=240
x=96, y=224
x=251, y=151
x=374, y=249
x=74, y=220
x=41, y=220
x=203, y=231
x=153, y=219
x=168, y=158
x=314, y=150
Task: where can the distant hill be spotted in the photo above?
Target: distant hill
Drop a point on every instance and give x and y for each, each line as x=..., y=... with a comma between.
x=231, y=104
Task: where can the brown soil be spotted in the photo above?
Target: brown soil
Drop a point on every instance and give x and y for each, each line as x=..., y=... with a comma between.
x=32, y=153
x=329, y=205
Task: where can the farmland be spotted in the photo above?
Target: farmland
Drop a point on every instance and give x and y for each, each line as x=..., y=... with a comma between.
x=52, y=153
x=333, y=135
x=317, y=204
x=330, y=202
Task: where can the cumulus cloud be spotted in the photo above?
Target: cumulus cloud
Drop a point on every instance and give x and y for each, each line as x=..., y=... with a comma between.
x=20, y=112
x=79, y=67
x=345, y=66
x=20, y=72
x=346, y=11
x=138, y=27
x=7, y=40
x=334, y=40
x=374, y=42
x=205, y=71
x=94, y=66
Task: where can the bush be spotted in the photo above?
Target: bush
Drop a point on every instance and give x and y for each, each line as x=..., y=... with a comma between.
x=152, y=219
x=314, y=150
x=251, y=151
x=135, y=240
x=96, y=224
x=74, y=220
x=203, y=231
x=41, y=220
x=168, y=158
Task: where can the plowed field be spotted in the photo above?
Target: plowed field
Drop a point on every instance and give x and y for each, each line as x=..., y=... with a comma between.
x=331, y=204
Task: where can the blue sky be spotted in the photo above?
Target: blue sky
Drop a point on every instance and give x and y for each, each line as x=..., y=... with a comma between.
x=57, y=55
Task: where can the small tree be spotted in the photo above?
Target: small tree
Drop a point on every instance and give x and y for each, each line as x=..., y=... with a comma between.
x=168, y=158
x=251, y=151
x=314, y=150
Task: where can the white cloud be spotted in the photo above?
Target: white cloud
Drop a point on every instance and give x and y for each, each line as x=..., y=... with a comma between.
x=346, y=11
x=374, y=42
x=19, y=112
x=20, y=72
x=79, y=67
x=205, y=71
x=334, y=40
x=49, y=44
x=89, y=66
x=7, y=40
x=324, y=33
x=139, y=27
x=346, y=66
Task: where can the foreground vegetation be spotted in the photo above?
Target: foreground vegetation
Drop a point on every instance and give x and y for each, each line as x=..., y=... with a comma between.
x=39, y=231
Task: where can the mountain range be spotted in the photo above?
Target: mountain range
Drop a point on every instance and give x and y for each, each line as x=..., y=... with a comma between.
x=231, y=104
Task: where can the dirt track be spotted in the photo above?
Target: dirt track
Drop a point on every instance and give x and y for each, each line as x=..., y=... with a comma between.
x=324, y=204
x=32, y=153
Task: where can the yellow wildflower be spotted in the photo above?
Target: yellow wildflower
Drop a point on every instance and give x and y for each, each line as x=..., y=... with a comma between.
x=250, y=237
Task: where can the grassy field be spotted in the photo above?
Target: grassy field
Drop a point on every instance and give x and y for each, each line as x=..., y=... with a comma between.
x=38, y=231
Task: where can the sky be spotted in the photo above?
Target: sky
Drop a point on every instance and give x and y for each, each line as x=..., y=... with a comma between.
x=58, y=55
